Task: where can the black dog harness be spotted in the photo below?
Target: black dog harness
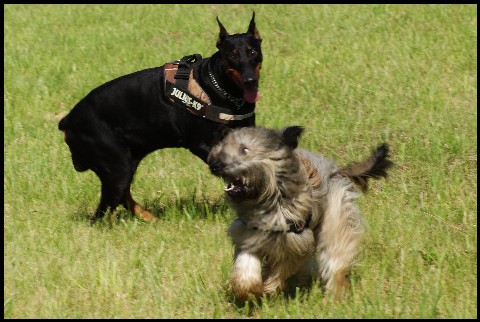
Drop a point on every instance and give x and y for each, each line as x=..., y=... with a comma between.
x=182, y=90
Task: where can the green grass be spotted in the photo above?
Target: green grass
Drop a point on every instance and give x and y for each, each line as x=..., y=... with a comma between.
x=352, y=75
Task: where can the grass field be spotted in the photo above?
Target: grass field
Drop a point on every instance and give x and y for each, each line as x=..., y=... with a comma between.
x=352, y=75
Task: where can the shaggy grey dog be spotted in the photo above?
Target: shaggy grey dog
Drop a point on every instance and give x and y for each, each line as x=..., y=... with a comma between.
x=295, y=209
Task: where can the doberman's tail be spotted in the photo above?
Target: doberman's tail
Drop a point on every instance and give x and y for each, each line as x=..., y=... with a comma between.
x=374, y=167
x=79, y=163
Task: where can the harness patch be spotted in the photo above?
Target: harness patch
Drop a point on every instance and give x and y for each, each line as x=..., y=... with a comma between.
x=185, y=99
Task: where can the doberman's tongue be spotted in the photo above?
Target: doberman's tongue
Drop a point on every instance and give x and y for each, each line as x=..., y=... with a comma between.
x=251, y=95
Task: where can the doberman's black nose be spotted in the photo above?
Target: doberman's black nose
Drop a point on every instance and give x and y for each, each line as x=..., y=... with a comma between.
x=250, y=81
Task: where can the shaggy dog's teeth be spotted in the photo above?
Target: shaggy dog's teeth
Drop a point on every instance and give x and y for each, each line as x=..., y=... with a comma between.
x=233, y=184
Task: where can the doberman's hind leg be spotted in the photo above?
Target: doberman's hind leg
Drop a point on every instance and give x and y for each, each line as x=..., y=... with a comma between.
x=101, y=209
x=115, y=174
x=130, y=204
x=112, y=190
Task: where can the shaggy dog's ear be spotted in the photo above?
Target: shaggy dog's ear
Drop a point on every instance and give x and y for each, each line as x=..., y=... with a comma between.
x=290, y=135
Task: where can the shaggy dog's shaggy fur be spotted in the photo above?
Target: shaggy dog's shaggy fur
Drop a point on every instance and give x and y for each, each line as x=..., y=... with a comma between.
x=295, y=209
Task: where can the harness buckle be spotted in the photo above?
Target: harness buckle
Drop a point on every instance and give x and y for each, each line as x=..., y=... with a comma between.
x=185, y=64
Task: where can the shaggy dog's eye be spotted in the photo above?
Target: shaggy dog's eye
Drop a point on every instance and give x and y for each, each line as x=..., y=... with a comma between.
x=244, y=149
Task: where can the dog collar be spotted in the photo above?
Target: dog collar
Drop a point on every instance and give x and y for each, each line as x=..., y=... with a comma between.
x=292, y=226
x=238, y=101
x=298, y=229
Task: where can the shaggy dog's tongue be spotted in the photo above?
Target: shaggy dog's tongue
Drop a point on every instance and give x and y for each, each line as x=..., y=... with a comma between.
x=251, y=95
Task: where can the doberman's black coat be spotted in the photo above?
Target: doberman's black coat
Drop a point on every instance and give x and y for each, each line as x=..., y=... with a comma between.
x=117, y=124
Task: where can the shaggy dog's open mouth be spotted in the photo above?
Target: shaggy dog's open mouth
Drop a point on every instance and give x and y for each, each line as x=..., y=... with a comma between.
x=234, y=187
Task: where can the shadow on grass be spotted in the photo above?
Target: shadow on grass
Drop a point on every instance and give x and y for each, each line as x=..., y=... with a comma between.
x=194, y=208
x=296, y=288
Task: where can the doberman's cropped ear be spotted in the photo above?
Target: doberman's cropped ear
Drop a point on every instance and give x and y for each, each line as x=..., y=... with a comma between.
x=223, y=34
x=253, y=29
x=290, y=135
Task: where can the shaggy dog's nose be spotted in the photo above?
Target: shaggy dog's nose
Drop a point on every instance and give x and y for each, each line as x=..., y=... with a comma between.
x=216, y=166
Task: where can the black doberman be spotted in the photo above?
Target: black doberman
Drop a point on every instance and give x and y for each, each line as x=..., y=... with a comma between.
x=187, y=103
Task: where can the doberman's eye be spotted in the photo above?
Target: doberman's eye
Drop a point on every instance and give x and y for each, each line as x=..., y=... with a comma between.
x=233, y=57
x=252, y=52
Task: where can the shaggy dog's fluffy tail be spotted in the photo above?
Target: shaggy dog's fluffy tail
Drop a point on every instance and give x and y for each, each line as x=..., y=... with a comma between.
x=374, y=167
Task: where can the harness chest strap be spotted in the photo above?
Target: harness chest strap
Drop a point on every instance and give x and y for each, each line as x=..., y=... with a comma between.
x=184, y=91
x=193, y=87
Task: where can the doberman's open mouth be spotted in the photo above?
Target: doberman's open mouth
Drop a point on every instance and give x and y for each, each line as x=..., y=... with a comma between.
x=251, y=94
